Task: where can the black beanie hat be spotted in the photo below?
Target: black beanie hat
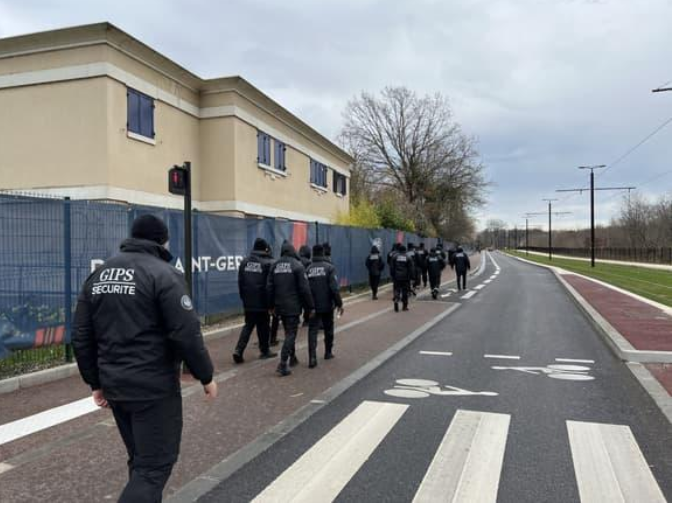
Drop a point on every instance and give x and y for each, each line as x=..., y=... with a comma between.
x=318, y=250
x=260, y=244
x=151, y=228
x=327, y=249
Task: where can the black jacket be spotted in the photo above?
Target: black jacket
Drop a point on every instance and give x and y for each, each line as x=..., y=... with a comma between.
x=412, y=254
x=436, y=264
x=287, y=285
x=374, y=262
x=324, y=285
x=402, y=267
x=421, y=258
x=461, y=262
x=133, y=325
x=253, y=275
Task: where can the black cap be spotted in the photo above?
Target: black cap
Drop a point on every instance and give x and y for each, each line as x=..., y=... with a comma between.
x=260, y=245
x=151, y=228
x=318, y=250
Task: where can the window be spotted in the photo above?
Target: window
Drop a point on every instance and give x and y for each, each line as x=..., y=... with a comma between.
x=263, y=148
x=339, y=183
x=139, y=113
x=319, y=174
x=279, y=156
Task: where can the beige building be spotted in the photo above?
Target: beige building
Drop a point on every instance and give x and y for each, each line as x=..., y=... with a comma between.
x=90, y=112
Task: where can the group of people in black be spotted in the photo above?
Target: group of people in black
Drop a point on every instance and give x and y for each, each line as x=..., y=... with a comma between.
x=283, y=291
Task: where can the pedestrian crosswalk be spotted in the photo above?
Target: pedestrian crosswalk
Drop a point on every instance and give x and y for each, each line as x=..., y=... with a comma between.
x=468, y=461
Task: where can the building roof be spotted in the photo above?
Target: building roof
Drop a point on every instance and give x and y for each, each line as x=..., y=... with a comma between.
x=107, y=33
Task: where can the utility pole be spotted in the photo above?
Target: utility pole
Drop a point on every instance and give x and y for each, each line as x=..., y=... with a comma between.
x=550, y=214
x=592, y=189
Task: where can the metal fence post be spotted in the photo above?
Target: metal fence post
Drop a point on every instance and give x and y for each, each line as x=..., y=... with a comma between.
x=67, y=275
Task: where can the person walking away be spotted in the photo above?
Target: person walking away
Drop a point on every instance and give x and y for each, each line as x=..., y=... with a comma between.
x=412, y=254
x=422, y=257
x=253, y=275
x=134, y=325
x=375, y=265
x=403, y=273
x=461, y=265
x=436, y=264
x=289, y=293
x=389, y=259
x=324, y=287
x=305, y=255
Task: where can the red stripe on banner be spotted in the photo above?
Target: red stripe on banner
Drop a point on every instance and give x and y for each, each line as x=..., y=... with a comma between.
x=59, y=334
x=39, y=338
x=300, y=233
x=400, y=237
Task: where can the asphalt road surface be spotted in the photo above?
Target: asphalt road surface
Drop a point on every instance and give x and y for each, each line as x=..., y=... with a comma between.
x=513, y=397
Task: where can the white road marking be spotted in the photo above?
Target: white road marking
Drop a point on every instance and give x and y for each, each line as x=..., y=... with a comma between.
x=467, y=465
x=479, y=287
x=24, y=427
x=435, y=353
x=486, y=282
x=324, y=470
x=469, y=294
x=501, y=356
x=609, y=465
x=571, y=360
x=422, y=388
x=4, y=467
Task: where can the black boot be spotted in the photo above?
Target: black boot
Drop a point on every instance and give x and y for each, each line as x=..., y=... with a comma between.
x=293, y=360
x=395, y=306
x=238, y=357
x=283, y=370
x=268, y=355
x=312, y=360
x=329, y=355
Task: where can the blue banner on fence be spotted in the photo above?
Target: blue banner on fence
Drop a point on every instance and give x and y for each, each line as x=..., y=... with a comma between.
x=43, y=237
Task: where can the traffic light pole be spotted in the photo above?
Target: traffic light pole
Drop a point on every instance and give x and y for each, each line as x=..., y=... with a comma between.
x=188, y=226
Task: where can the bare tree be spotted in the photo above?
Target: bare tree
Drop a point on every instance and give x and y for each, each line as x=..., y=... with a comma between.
x=413, y=145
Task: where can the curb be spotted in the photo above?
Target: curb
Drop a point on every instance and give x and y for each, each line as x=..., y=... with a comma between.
x=662, y=399
x=207, y=481
x=616, y=342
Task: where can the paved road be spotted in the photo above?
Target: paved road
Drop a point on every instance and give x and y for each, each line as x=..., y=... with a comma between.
x=512, y=398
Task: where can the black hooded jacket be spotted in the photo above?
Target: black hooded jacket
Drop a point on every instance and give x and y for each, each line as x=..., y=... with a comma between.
x=287, y=285
x=134, y=323
x=436, y=264
x=253, y=275
x=402, y=267
x=461, y=261
x=375, y=262
x=305, y=256
x=324, y=286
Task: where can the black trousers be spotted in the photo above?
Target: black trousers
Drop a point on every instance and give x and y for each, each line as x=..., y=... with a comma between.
x=459, y=276
x=274, y=328
x=290, y=325
x=328, y=321
x=434, y=281
x=259, y=320
x=151, y=431
x=374, y=284
x=401, y=290
x=424, y=275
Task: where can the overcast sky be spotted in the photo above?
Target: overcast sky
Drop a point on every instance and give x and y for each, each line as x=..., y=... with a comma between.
x=544, y=85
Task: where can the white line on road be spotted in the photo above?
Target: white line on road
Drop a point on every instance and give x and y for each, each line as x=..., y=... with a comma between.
x=20, y=428
x=479, y=287
x=571, y=360
x=467, y=465
x=486, y=282
x=435, y=353
x=324, y=470
x=500, y=356
x=609, y=465
x=469, y=294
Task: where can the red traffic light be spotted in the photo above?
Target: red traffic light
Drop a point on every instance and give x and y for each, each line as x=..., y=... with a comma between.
x=178, y=180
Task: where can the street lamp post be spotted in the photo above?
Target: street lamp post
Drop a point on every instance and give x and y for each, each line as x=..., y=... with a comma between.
x=591, y=169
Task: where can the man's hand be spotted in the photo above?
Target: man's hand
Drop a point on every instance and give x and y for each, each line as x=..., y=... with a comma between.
x=99, y=399
x=211, y=390
x=309, y=314
x=340, y=311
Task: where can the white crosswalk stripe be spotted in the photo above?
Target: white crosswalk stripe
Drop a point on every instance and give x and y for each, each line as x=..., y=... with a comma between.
x=467, y=465
x=609, y=465
x=324, y=470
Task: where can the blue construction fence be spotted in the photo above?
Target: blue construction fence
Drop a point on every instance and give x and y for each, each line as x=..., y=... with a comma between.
x=49, y=246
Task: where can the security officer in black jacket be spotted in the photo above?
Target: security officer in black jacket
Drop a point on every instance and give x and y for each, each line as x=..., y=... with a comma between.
x=422, y=257
x=289, y=293
x=324, y=287
x=412, y=254
x=436, y=264
x=134, y=324
x=402, y=269
x=461, y=264
x=253, y=274
x=305, y=256
x=375, y=265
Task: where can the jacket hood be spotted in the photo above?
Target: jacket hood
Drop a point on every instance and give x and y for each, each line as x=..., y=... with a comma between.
x=288, y=250
x=305, y=252
x=374, y=249
x=320, y=258
x=260, y=253
x=132, y=245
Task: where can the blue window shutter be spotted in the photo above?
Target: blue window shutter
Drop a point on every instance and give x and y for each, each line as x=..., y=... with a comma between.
x=312, y=171
x=267, y=151
x=146, y=116
x=133, y=111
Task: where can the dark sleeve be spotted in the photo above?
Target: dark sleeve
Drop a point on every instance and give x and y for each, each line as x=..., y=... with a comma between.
x=84, y=341
x=303, y=286
x=241, y=272
x=467, y=262
x=270, y=287
x=442, y=264
x=368, y=262
x=182, y=325
x=382, y=264
x=334, y=287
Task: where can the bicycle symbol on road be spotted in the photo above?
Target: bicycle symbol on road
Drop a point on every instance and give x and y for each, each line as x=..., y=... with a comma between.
x=423, y=388
x=565, y=372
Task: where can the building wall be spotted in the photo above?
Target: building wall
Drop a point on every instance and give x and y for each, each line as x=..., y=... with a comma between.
x=217, y=150
x=54, y=134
